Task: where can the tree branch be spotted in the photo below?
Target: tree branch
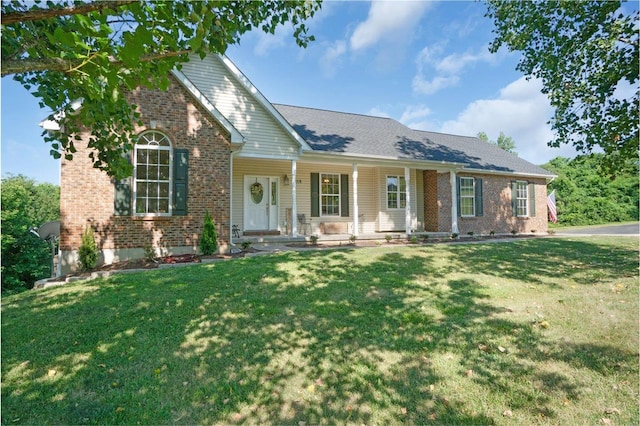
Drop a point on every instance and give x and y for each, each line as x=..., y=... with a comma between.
x=39, y=14
x=20, y=66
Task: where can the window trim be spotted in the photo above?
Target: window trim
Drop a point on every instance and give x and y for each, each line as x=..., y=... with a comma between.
x=472, y=196
x=402, y=195
x=321, y=204
x=525, y=198
x=169, y=182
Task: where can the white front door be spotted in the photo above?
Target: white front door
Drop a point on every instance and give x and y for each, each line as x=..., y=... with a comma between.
x=261, y=203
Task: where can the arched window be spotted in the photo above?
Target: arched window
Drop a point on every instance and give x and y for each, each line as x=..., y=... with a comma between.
x=152, y=174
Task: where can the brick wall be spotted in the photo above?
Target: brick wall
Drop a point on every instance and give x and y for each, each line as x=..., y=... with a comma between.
x=498, y=214
x=87, y=194
x=430, y=189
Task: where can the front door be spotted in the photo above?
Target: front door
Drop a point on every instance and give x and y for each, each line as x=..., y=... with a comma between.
x=260, y=203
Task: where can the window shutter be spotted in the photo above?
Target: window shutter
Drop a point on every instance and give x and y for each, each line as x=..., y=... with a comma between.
x=532, y=199
x=315, y=195
x=514, y=201
x=122, y=197
x=180, y=181
x=344, y=195
x=479, y=206
x=458, y=196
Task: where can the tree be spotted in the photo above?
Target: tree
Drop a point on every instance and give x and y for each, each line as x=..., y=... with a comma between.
x=25, y=204
x=69, y=51
x=585, y=197
x=585, y=53
x=504, y=142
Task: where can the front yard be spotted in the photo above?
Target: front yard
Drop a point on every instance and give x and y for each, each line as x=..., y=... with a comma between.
x=540, y=330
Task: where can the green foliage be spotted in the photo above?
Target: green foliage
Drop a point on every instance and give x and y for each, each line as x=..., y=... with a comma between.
x=209, y=237
x=245, y=245
x=65, y=51
x=88, y=251
x=586, y=197
x=586, y=55
x=25, y=257
x=504, y=142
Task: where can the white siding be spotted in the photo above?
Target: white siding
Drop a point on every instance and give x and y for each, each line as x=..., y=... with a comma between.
x=394, y=219
x=367, y=191
x=264, y=136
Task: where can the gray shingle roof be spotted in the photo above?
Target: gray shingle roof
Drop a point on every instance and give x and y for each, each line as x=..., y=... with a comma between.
x=338, y=132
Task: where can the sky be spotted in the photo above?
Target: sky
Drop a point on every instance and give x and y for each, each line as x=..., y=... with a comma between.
x=425, y=64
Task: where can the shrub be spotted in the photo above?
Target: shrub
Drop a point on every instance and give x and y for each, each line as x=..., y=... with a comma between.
x=492, y=232
x=454, y=236
x=245, y=245
x=352, y=239
x=314, y=239
x=209, y=238
x=88, y=251
x=388, y=238
x=414, y=239
x=470, y=233
x=149, y=253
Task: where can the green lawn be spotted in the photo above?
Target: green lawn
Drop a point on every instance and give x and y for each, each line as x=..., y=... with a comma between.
x=540, y=330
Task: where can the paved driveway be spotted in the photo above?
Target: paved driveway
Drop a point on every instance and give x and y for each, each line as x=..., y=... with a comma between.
x=626, y=229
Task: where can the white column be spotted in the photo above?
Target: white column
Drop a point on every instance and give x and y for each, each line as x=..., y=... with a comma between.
x=355, y=199
x=454, y=204
x=294, y=201
x=407, y=208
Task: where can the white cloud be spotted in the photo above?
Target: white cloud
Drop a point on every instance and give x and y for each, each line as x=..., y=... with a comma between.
x=520, y=111
x=435, y=73
x=429, y=87
x=387, y=20
x=417, y=117
x=267, y=42
x=378, y=112
x=330, y=59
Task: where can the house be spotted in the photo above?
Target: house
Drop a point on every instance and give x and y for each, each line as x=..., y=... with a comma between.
x=212, y=142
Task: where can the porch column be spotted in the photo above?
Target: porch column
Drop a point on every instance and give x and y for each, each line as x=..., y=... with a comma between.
x=407, y=207
x=294, y=201
x=355, y=199
x=454, y=204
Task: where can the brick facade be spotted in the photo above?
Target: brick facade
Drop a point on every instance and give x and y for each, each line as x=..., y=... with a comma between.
x=87, y=194
x=498, y=214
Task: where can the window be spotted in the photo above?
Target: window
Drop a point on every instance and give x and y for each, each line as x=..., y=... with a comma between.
x=330, y=194
x=152, y=174
x=467, y=196
x=396, y=192
x=522, y=199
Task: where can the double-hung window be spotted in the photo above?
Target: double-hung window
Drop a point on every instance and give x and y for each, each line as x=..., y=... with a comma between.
x=152, y=174
x=330, y=194
x=522, y=199
x=467, y=196
x=396, y=192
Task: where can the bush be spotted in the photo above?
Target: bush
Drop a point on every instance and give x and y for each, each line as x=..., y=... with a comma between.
x=209, y=237
x=88, y=252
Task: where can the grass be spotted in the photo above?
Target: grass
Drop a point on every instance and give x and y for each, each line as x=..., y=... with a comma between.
x=530, y=331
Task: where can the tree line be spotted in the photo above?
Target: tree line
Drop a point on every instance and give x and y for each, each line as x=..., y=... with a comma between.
x=586, y=196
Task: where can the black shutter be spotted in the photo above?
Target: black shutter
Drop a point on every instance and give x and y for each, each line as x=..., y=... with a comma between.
x=315, y=195
x=344, y=195
x=458, y=196
x=122, y=197
x=514, y=200
x=532, y=199
x=479, y=206
x=180, y=181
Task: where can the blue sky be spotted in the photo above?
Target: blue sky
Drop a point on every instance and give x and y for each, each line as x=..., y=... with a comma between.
x=425, y=64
